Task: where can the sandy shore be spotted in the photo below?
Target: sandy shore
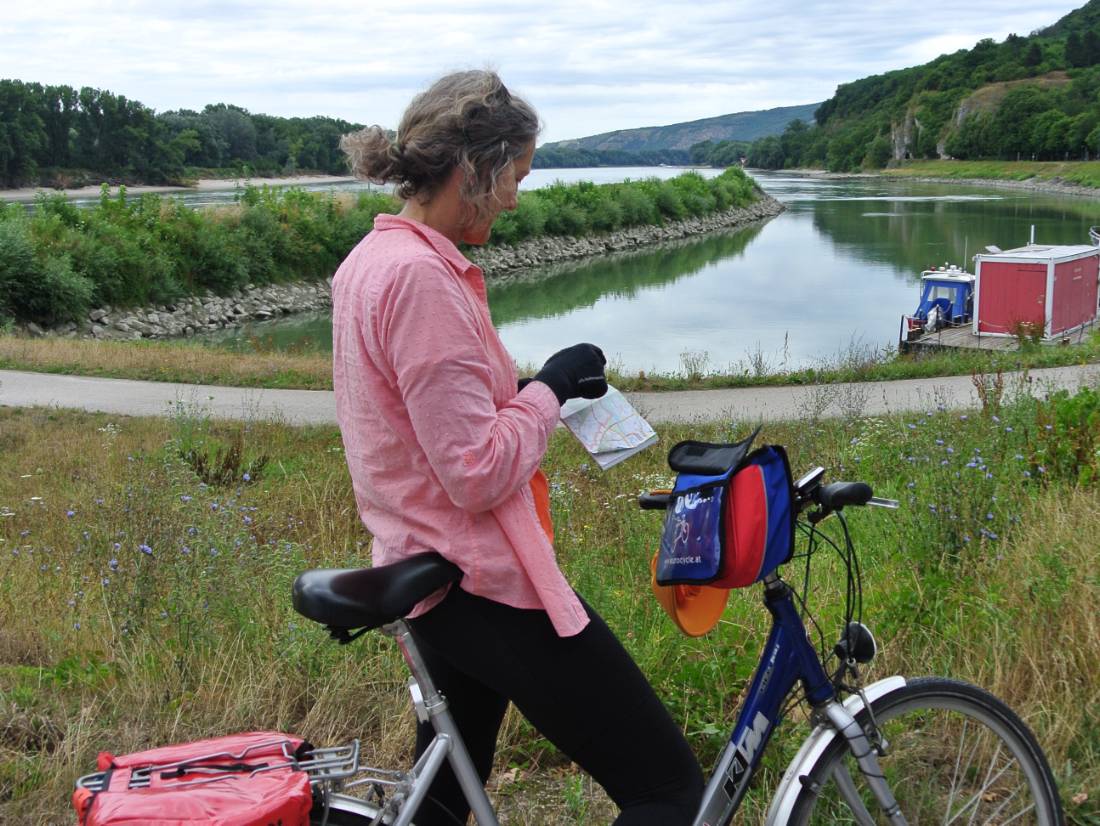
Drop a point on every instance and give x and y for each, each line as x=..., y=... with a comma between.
x=202, y=185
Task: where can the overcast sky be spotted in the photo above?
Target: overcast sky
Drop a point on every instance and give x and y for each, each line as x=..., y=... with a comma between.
x=588, y=66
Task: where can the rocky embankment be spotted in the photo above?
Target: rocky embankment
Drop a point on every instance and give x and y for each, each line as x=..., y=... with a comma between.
x=206, y=313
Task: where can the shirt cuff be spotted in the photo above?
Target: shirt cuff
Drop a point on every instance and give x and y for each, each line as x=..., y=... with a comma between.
x=544, y=399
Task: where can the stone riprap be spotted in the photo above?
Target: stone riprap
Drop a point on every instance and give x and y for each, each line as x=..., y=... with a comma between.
x=207, y=313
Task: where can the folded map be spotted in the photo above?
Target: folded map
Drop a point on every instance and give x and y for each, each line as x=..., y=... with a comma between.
x=610, y=429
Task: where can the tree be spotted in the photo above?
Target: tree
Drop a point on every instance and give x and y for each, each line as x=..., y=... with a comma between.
x=1075, y=52
x=1034, y=54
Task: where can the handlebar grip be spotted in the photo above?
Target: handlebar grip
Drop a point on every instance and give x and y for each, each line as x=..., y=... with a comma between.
x=838, y=494
x=655, y=500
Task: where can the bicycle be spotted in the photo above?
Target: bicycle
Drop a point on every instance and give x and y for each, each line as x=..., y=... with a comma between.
x=898, y=751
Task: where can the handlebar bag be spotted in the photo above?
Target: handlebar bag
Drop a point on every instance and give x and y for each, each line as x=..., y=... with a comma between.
x=239, y=780
x=731, y=528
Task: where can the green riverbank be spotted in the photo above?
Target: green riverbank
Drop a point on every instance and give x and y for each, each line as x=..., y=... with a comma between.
x=1068, y=177
x=60, y=261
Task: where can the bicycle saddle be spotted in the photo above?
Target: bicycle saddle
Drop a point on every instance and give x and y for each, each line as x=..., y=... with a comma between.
x=370, y=597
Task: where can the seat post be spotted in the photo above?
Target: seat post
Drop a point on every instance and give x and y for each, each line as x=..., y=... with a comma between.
x=436, y=711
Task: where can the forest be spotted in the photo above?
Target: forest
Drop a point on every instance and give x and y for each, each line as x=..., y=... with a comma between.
x=62, y=136
x=1034, y=97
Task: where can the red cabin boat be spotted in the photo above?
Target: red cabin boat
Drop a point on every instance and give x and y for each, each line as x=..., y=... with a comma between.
x=1037, y=288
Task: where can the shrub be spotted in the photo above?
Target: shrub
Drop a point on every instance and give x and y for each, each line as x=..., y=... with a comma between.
x=37, y=288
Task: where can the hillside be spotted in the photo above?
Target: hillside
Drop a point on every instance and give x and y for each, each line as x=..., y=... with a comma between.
x=1034, y=97
x=739, y=126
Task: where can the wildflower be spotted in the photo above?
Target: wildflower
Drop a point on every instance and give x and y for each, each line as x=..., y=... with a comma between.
x=1008, y=428
x=99, y=501
x=185, y=498
x=1048, y=427
x=117, y=546
x=113, y=564
x=944, y=462
x=24, y=534
x=971, y=463
x=145, y=549
x=70, y=514
x=932, y=508
x=939, y=441
x=1019, y=457
x=105, y=581
x=192, y=530
x=966, y=537
x=213, y=551
x=248, y=520
x=989, y=516
x=76, y=625
x=1027, y=474
x=185, y=550
x=1041, y=469
x=996, y=419
x=247, y=476
x=989, y=476
x=963, y=417
x=213, y=506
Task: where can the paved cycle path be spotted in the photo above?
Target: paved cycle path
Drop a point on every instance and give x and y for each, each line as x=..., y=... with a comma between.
x=148, y=398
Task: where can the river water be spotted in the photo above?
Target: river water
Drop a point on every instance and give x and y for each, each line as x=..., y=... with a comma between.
x=829, y=279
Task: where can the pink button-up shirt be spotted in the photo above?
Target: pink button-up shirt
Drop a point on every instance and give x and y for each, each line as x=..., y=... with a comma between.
x=440, y=446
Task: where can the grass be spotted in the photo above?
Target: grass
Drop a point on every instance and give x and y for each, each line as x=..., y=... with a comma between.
x=140, y=605
x=1078, y=173
x=193, y=363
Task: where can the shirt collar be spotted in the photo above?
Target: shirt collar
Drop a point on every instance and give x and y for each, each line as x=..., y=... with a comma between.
x=437, y=240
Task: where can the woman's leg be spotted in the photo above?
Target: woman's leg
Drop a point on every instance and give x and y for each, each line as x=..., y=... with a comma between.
x=583, y=693
x=477, y=712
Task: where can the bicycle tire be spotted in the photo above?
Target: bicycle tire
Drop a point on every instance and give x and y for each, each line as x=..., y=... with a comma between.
x=340, y=814
x=933, y=726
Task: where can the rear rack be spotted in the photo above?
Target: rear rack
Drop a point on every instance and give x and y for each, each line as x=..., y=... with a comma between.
x=329, y=766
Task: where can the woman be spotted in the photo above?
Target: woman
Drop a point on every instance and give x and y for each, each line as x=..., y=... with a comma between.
x=444, y=454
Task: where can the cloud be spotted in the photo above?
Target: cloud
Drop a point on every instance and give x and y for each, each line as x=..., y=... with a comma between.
x=588, y=66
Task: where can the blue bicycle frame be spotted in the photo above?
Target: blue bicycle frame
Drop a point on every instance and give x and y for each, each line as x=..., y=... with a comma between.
x=788, y=657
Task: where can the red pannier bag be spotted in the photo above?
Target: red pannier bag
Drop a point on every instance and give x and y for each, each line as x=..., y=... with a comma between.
x=238, y=780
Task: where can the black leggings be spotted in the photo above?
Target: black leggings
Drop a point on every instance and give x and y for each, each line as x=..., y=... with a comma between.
x=583, y=693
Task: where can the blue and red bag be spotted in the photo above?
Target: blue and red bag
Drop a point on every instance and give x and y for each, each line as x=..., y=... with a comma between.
x=731, y=517
x=239, y=780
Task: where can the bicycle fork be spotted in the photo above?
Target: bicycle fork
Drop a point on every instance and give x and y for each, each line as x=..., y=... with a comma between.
x=867, y=757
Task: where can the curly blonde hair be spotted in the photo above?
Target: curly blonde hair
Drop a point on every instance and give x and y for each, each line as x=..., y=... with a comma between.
x=466, y=120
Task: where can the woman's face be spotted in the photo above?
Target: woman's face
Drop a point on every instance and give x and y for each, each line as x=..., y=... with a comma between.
x=506, y=195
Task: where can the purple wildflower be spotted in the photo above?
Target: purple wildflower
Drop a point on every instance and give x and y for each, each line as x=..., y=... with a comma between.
x=113, y=564
x=145, y=549
x=70, y=514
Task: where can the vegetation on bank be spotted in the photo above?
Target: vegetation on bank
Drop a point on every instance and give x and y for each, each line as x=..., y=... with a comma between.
x=190, y=362
x=1029, y=97
x=158, y=555
x=1054, y=173
x=59, y=260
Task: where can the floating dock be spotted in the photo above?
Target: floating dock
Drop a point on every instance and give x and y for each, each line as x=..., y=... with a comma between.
x=964, y=337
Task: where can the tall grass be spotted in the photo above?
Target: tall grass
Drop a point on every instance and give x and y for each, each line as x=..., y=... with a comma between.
x=140, y=605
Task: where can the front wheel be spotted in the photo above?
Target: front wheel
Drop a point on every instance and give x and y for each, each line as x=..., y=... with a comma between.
x=953, y=753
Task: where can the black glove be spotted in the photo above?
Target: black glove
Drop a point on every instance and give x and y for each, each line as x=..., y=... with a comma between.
x=575, y=371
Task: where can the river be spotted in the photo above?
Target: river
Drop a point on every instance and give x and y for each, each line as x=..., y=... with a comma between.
x=827, y=280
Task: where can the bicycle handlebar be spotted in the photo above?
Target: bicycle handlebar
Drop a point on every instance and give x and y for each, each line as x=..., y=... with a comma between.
x=831, y=497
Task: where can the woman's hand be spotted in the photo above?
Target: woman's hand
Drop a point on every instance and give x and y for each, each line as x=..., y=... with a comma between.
x=575, y=371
